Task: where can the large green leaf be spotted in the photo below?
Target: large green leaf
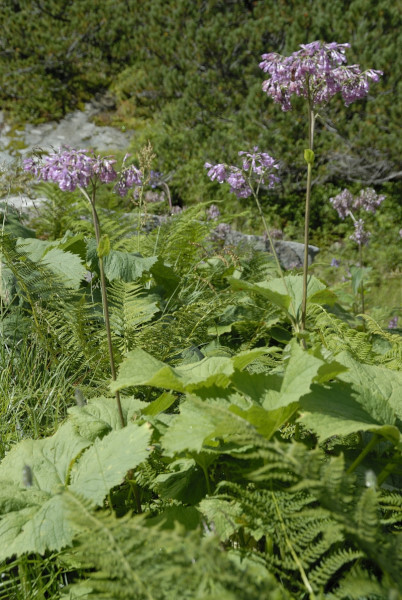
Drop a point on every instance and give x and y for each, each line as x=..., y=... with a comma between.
x=184, y=482
x=49, y=459
x=378, y=389
x=335, y=409
x=66, y=265
x=106, y=463
x=127, y=266
x=140, y=368
x=287, y=292
x=36, y=529
x=100, y=415
x=201, y=424
x=267, y=422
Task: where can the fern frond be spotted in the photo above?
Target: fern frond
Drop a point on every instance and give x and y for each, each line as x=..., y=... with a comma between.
x=130, y=308
x=124, y=558
x=336, y=335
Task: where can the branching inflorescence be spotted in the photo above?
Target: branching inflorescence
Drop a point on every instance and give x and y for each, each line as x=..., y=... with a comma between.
x=316, y=72
x=82, y=169
x=257, y=166
x=71, y=168
x=346, y=205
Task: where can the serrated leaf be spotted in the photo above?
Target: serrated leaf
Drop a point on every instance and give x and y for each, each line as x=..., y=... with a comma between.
x=379, y=388
x=106, y=463
x=200, y=424
x=66, y=265
x=267, y=422
x=140, y=368
x=335, y=409
x=50, y=459
x=36, y=529
x=100, y=415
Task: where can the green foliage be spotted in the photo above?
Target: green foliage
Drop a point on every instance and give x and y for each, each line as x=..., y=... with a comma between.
x=256, y=460
x=150, y=562
x=56, y=56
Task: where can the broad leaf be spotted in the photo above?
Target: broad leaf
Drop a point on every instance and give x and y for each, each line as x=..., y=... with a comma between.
x=66, y=265
x=201, y=424
x=267, y=422
x=287, y=292
x=50, y=459
x=106, y=463
x=36, y=529
x=140, y=368
x=184, y=482
x=335, y=409
x=100, y=415
x=378, y=388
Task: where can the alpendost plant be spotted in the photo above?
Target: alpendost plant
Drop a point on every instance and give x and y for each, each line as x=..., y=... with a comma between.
x=316, y=73
x=71, y=169
x=347, y=205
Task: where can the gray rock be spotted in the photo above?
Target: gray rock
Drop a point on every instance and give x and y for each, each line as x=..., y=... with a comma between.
x=290, y=254
x=76, y=129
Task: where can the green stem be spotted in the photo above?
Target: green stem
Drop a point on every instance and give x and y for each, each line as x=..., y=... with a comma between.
x=388, y=469
x=278, y=264
x=362, y=284
x=105, y=304
x=311, y=123
x=373, y=442
x=205, y=471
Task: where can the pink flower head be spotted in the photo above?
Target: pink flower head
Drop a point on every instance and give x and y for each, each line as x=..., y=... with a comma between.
x=256, y=165
x=130, y=177
x=316, y=72
x=71, y=168
x=367, y=200
x=360, y=235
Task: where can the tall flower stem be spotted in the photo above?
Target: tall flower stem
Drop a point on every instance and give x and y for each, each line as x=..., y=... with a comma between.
x=361, y=284
x=309, y=156
x=278, y=264
x=105, y=304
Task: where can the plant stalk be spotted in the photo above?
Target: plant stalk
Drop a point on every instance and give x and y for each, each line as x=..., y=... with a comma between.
x=361, y=284
x=373, y=442
x=311, y=123
x=278, y=264
x=105, y=304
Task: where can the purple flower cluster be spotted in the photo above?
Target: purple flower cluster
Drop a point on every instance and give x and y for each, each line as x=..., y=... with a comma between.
x=393, y=324
x=213, y=212
x=71, y=168
x=129, y=177
x=368, y=200
x=257, y=165
x=316, y=72
x=155, y=178
x=360, y=235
